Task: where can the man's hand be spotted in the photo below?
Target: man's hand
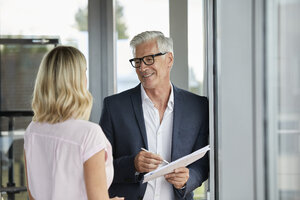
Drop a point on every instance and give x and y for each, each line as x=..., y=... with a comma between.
x=179, y=177
x=146, y=161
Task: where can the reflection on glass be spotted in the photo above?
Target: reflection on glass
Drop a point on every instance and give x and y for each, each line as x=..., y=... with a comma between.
x=284, y=87
x=129, y=24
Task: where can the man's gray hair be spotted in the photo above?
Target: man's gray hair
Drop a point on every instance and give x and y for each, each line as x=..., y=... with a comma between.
x=164, y=44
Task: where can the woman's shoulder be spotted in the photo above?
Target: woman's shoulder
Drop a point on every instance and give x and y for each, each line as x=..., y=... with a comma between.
x=83, y=123
x=84, y=126
x=90, y=134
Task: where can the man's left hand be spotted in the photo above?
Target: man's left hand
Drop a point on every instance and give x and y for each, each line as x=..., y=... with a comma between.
x=179, y=177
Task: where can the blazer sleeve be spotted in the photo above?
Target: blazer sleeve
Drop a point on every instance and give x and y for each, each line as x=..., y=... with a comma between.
x=198, y=171
x=124, y=170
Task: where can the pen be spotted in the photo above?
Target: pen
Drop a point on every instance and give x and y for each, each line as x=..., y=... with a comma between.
x=151, y=152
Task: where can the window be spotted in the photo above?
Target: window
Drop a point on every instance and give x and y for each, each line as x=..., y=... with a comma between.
x=41, y=23
x=132, y=18
x=283, y=99
x=196, y=60
x=196, y=46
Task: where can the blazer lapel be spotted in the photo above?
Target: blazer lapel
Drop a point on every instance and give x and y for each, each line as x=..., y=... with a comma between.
x=138, y=109
x=178, y=109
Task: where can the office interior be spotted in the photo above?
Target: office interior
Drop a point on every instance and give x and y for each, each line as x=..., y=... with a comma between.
x=244, y=55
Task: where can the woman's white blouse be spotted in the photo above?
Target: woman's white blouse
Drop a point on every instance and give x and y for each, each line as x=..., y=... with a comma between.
x=55, y=154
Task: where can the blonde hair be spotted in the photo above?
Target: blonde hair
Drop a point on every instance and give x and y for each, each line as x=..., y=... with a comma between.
x=60, y=91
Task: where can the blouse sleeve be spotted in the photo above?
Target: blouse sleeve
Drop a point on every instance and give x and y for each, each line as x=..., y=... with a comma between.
x=26, y=137
x=93, y=143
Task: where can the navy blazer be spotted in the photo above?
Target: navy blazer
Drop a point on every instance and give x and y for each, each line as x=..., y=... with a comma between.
x=123, y=123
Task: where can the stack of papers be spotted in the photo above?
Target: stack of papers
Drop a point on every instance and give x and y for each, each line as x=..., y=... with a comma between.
x=181, y=162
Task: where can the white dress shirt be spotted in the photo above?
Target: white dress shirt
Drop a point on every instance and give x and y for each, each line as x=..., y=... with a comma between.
x=159, y=136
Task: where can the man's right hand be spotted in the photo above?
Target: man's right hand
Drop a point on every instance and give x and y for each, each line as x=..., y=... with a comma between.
x=146, y=161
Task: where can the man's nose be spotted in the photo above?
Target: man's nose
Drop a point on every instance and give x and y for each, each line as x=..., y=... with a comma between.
x=143, y=66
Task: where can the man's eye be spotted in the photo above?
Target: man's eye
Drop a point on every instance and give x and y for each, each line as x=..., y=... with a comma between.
x=148, y=60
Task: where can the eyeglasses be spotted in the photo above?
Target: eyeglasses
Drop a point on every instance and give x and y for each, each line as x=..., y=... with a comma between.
x=147, y=60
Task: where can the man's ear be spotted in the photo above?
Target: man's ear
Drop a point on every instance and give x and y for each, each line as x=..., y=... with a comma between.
x=170, y=59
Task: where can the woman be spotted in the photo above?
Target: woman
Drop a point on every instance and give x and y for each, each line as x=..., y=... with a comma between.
x=66, y=156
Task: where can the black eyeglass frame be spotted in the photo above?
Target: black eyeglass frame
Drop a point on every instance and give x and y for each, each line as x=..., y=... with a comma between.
x=142, y=59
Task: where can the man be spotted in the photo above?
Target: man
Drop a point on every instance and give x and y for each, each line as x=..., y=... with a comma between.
x=159, y=117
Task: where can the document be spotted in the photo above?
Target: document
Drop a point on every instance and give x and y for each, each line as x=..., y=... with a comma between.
x=181, y=162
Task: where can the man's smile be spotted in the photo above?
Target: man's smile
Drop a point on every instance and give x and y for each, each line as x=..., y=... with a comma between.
x=147, y=75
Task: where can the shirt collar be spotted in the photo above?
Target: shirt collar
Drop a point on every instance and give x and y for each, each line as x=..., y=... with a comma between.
x=146, y=98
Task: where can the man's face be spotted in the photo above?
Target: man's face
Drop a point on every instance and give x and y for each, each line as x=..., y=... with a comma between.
x=155, y=75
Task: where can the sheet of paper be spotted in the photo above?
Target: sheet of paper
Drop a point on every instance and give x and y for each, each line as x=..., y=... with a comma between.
x=181, y=162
